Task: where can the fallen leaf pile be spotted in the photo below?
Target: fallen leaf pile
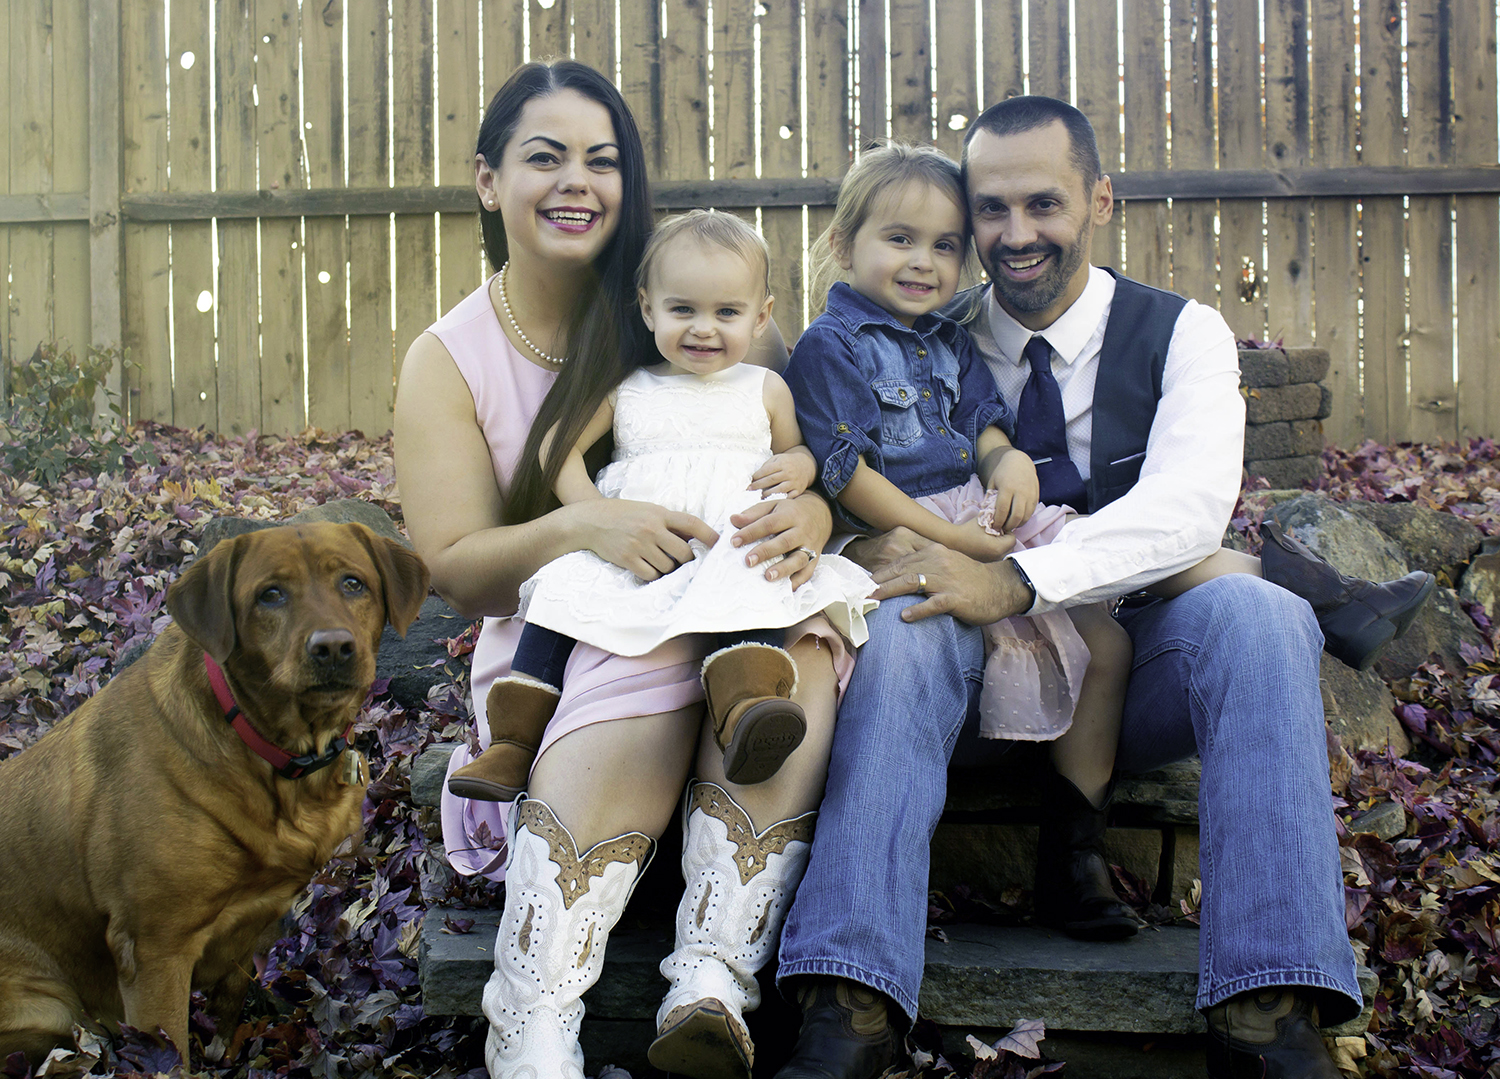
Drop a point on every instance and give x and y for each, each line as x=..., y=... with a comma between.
x=84, y=566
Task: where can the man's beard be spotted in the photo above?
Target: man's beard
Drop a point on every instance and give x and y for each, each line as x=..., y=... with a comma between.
x=1044, y=291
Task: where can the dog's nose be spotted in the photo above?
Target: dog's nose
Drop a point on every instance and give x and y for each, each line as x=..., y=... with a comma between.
x=330, y=647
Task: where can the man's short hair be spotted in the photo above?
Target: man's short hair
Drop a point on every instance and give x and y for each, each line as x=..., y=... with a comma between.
x=1016, y=115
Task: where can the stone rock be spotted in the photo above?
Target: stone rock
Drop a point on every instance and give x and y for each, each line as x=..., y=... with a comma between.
x=1440, y=627
x=420, y=661
x=428, y=771
x=1384, y=819
x=1325, y=403
x=133, y=653
x=1306, y=437
x=1263, y=367
x=1352, y=544
x=1306, y=364
x=1272, y=403
x=1481, y=583
x=339, y=511
x=1359, y=708
x=1287, y=471
x=1267, y=440
x=1432, y=541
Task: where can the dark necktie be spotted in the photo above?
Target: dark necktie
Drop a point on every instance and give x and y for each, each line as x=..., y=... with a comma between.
x=1041, y=431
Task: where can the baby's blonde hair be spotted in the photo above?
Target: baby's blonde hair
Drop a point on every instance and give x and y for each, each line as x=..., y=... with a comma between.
x=708, y=227
x=879, y=168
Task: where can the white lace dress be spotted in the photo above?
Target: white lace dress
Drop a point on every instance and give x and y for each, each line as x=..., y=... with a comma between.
x=689, y=443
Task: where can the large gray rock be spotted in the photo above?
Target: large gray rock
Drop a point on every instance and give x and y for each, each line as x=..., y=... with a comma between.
x=1352, y=544
x=1481, y=583
x=1431, y=541
x=419, y=661
x=1441, y=626
x=1360, y=709
x=339, y=511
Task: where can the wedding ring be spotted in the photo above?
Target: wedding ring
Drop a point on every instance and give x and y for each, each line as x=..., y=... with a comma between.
x=922, y=583
x=812, y=555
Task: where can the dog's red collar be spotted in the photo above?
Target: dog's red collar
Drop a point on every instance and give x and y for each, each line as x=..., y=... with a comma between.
x=286, y=765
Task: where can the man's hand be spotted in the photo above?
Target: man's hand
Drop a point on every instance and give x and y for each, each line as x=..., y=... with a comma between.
x=871, y=553
x=974, y=592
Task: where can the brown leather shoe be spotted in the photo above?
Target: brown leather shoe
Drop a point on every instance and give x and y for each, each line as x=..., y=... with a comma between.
x=845, y=1032
x=757, y=727
x=1267, y=1034
x=518, y=709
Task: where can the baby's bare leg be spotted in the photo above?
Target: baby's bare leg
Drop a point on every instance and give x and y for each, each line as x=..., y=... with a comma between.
x=1221, y=563
x=1085, y=754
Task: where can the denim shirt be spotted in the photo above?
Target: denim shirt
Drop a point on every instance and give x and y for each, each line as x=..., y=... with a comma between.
x=911, y=401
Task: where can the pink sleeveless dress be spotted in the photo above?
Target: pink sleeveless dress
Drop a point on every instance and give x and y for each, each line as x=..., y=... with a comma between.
x=597, y=686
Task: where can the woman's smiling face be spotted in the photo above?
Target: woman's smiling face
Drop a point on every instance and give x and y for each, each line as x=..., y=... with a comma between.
x=558, y=186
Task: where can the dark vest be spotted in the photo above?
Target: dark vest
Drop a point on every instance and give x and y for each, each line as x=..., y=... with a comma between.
x=1131, y=361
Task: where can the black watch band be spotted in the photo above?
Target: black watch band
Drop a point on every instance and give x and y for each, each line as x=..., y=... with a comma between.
x=1025, y=580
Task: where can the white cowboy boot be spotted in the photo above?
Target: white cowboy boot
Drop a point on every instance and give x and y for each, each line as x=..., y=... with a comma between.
x=739, y=886
x=559, y=909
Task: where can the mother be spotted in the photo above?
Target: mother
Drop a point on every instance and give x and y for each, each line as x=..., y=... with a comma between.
x=565, y=213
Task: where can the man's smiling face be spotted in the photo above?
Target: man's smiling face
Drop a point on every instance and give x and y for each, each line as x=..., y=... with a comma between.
x=1033, y=217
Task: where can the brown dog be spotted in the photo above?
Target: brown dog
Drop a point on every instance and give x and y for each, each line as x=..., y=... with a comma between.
x=147, y=848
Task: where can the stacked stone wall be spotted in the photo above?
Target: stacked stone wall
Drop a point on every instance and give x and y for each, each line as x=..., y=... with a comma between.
x=1285, y=405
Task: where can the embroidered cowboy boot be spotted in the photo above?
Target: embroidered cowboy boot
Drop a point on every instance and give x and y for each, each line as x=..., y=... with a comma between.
x=756, y=726
x=518, y=710
x=1358, y=617
x=846, y=1032
x=1073, y=890
x=1267, y=1034
x=739, y=886
x=559, y=909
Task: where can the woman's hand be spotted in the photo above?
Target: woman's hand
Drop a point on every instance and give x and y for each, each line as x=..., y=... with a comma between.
x=642, y=537
x=789, y=527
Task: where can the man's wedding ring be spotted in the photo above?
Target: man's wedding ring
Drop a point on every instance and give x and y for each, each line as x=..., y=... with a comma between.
x=922, y=583
x=812, y=555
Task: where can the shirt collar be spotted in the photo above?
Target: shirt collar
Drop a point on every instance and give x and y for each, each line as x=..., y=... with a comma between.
x=1069, y=334
x=856, y=311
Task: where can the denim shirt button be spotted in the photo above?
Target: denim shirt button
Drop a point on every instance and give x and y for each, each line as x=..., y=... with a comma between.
x=963, y=455
x=842, y=428
x=901, y=394
x=926, y=395
x=921, y=353
x=943, y=431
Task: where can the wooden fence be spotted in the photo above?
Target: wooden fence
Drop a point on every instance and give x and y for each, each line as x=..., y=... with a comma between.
x=265, y=201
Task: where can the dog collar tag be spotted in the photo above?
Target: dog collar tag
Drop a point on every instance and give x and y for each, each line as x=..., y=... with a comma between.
x=352, y=770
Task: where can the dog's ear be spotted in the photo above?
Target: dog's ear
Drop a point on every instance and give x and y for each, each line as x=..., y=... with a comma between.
x=403, y=577
x=201, y=601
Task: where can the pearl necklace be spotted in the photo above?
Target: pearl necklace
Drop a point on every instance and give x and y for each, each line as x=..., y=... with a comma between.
x=511, y=318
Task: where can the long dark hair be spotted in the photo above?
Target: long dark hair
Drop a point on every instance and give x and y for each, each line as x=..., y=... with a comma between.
x=606, y=338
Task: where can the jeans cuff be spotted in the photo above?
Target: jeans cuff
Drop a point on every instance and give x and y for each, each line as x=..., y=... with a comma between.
x=1208, y=996
x=833, y=968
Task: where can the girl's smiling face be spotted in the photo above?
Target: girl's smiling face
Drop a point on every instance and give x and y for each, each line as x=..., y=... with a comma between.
x=705, y=304
x=908, y=252
x=558, y=185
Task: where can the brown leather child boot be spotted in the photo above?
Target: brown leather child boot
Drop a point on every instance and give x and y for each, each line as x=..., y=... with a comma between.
x=518, y=709
x=755, y=724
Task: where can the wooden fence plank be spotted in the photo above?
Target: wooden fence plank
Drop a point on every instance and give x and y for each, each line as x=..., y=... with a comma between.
x=504, y=44
x=1478, y=223
x=1148, y=255
x=5, y=268
x=31, y=58
x=1336, y=274
x=70, y=171
x=412, y=151
x=237, y=302
x=594, y=35
x=104, y=235
x=910, y=71
x=1433, y=405
x=829, y=121
x=1050, y=71
x=550, y=28
x=458, y=121
x=734, y=89
x=372, y=363
x=640, y=76
x=1241, y=243
x=195, y=391
x=326, y=239
x=1289, y=294
x=684, y=90
x=1194, y=244
x=872, y=101
x=277, y=147
x=957, y=85
x=1003, y=72
x=144, y=137
x=781, y=131
x=1098, y=98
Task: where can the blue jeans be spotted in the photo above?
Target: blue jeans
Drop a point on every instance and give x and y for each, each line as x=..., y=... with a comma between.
x=1228, y=670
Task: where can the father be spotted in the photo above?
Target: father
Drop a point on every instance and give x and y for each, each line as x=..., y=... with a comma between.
x=1229, y=670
